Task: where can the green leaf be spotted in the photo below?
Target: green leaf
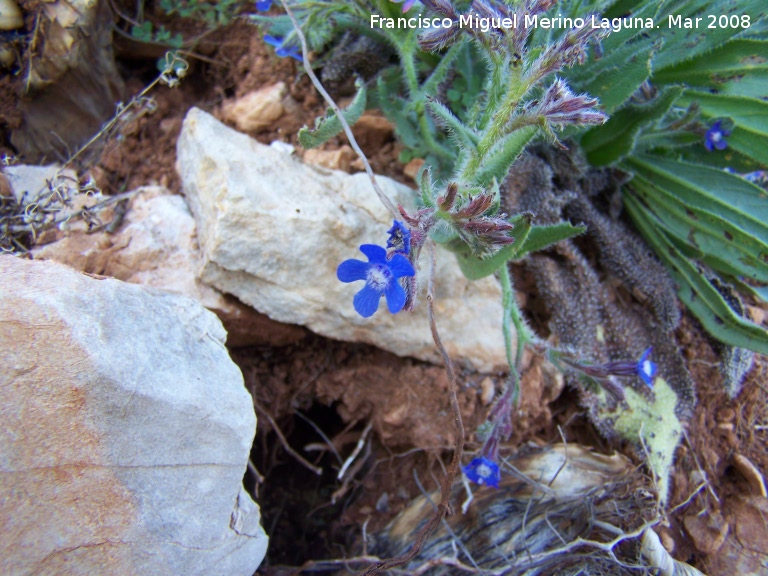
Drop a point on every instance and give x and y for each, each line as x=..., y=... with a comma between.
x=541, y=237
x=616, y=139
x=750, y=117
x=462, y=135
x=683, y=44
x=439, y=75
x=706, y=236
x=618, y=83
x=329, y=126
x=710, y=190
x=143, y=32
x=475, y=268
x=734, y=60
x=502, y=155
x=528, y=238
x=698, y=294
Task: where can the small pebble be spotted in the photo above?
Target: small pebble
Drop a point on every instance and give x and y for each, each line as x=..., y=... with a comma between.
x=487, y=391
x=751, y=474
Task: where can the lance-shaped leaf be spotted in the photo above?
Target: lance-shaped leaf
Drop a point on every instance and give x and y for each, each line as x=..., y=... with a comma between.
x=502, y=155
x=725, y=65
x=705, y=236
x=714, y=191
x=528, y=238
x=616, y=139
x=750, y=117
x=698, y=294
x=618, y=83
x=464, y=136
x=330, y=125
x=683, y=43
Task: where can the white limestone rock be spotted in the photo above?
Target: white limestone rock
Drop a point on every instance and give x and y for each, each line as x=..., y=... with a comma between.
x=157, y=246
x=126, y=431
x=272, y=231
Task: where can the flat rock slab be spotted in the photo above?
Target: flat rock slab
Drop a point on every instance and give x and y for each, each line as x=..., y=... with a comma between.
x=126, y=431
x=273, y=230
x=157, y=246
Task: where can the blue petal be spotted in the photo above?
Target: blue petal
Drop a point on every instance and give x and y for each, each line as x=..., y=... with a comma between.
x=400, y=266
x=376, y=254
x=721, y=144
x=352, y=270
x=273, y=40
x=263, y=5
x=291, y=52
x=395, y=297
x=483, y=471
x=646, y=369
x=367, y=301
x=398, y=235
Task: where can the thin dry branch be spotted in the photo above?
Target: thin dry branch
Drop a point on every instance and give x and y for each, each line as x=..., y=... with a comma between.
x=444, y=507
x=317, y=470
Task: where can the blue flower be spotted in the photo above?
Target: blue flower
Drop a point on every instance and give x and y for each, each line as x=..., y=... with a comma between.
x=646, y=369
x=263, y=5
x=281, y=49
x=380, y=277
x=483, y=471
x=715, y=137
x=399, y=237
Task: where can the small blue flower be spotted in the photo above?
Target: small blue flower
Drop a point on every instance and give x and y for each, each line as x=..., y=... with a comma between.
x=263, y=5
x=715, y=137
x=407, y=4
x=399, y=237
x=281, y=49
x=380, y=277
x=647, y=369
x=483, y=471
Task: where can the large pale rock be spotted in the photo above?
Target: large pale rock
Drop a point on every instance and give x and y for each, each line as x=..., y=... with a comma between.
x=125, y=434
x=272, y=232
x=157, y=246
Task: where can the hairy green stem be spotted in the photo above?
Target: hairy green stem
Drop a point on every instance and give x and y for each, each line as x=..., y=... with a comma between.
x=512, y=314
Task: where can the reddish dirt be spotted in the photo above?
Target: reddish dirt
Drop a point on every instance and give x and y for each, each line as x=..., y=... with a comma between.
x=342, y=387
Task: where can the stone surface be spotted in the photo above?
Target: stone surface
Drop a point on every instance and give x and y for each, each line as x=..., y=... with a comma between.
x=272, y=232
x=746, y=548
x=157, y=246
x=338, y=159
x=706, y=531
x=126, y=431
x=256, y=110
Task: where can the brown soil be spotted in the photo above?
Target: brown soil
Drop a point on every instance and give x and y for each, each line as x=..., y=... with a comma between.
x=317, y=391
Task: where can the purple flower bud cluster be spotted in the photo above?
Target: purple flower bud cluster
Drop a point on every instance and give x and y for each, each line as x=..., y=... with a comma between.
x=569, y=50
x=484, y=234
x=561, y=107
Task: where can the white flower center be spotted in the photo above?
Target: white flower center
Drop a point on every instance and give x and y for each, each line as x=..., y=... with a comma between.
x=483, y=472
x=647, y=368
x=378, y=277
